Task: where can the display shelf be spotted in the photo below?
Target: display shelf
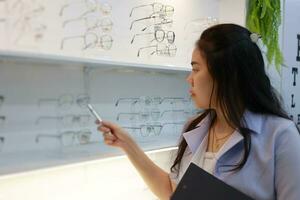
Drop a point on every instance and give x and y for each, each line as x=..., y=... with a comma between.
x=31, y=77
x=12, y=167
x=42, y=58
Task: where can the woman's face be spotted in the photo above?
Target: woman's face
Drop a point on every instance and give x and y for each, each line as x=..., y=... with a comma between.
x=200, y=81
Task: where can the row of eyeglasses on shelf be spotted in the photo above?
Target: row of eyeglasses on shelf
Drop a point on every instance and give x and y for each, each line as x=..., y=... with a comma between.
x=84, y=136
x=153, y=115
x=67, y=100
x=149, y=108
x=68, y=138
x=149, y=101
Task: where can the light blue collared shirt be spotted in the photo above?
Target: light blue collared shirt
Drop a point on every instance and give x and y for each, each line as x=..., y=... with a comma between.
x=272, y=170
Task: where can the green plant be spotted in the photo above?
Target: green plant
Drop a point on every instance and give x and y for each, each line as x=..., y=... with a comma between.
x=264, y=18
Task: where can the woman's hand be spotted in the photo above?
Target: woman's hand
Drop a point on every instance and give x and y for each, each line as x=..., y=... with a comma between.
x=118, y=137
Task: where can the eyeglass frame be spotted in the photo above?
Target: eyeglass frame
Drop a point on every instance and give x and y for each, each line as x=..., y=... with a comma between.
x=166, y=49
x=97, y=3
x=94, y=43
x=152, y=126
x=163, y=7
x=163, y=22
x=61, y=118
x=60, y=136
x=165, y=35
x=99, y=24
x=150, y=113
x=152, y=16
x=71, y=98
x=160, y=100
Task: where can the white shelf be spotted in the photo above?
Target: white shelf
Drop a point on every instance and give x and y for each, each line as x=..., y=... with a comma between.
x=88, y=62
x=44, y=161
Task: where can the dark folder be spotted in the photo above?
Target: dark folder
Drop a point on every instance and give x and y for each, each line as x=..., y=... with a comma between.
x=197, y=184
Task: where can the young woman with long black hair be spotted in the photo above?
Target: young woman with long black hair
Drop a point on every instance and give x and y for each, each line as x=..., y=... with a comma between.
x=243, y=137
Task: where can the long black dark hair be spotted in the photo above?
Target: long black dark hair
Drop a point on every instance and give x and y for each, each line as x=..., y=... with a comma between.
x=237, y=68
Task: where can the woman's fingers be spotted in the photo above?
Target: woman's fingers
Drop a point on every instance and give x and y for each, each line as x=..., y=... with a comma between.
x=109, y=139
x=112, y=133
x=109, y=136
x=104, y=129
x=110, y=125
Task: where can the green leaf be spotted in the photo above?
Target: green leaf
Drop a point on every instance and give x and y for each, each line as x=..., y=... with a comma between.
x=264, y=18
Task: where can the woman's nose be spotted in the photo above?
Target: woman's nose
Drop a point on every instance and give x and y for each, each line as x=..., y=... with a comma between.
x=189, y=79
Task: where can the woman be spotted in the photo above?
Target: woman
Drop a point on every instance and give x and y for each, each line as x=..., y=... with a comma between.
x=243, y=137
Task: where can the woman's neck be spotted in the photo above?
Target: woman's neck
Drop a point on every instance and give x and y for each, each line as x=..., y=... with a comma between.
x=221, y=125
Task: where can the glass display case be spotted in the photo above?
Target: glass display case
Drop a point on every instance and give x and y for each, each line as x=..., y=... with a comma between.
x=45, y=121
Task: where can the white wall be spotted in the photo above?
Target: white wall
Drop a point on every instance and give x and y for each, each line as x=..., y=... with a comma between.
x=290, y=50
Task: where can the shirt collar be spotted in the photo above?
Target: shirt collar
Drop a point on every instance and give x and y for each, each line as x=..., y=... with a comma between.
x=253, y=121
x=194, y=137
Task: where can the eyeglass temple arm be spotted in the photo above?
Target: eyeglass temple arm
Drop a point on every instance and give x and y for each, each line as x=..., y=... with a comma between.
x=139, y=7
x=142, y=48
x=172, y=98
x=82, y=16
x=86, y=46
x=166, y=111
x=141, y=19
x=134, y=128
x=139, y=34
x=46, y=100
x=46, y=118
x=62, y=9
x=37, y=138
x=62, y=44
x=118, y=117
x=172, y=123
x=160, y=23
x=125, y=99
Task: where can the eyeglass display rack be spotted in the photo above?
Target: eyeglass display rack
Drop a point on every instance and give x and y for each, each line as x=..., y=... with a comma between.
x=23, y=161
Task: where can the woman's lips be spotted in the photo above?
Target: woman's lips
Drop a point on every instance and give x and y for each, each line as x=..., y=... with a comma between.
x=191, y=92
